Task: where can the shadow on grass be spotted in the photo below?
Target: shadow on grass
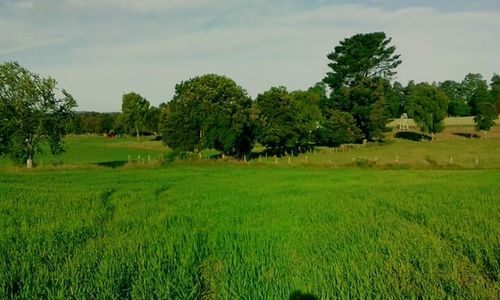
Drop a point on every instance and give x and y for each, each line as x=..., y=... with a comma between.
x=467, y=135
x=298, y=295
x=112, y=164
x=412, y=136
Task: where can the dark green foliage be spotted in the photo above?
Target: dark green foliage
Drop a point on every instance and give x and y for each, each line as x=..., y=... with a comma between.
x=395, y=99
x=484, y=108
x=428, y=106
x=135, y=111
x=30, y=113
x=495, y=91
x=209, y=112
x=361, y=67
x=486, y=116
x=338, y=128
x=470, y=85
x=309, y=115
x=276, y=120
x=457, y=105
x=153, y=120
x=366, y=102
x=94, y=122
x=360, y=57
x=287, y=121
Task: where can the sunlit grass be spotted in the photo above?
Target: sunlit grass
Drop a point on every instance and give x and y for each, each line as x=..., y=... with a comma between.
x=249, y=232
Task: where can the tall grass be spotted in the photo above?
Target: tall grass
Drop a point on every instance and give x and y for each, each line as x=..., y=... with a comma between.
x=189, y=232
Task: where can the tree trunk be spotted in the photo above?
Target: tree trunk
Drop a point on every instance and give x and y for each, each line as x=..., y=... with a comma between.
x=29, y=163
x=137, y=132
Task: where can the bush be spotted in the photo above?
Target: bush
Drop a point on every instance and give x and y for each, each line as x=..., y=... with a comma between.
x=362, y=162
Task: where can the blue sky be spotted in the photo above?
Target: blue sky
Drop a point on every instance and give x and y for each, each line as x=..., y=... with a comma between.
x=101, y=49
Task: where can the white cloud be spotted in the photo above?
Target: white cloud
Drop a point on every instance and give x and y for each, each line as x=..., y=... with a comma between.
x=106, y=48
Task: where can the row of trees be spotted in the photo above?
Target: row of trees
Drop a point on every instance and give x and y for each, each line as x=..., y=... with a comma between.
x=115, y=123
x=463, y=97
x=354, y=102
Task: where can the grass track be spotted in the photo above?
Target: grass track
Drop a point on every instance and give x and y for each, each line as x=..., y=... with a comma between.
x=218, y=231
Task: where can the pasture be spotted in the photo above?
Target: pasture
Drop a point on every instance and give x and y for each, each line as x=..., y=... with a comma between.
x=89, y=224
x=249, y=232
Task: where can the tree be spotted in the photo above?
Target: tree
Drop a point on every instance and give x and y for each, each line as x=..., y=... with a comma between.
x=495, y=91
x=458, y=103
x=276, y=121
x=485, y=117
x=484, y=108
x=395, y=99
x=428, y=106
x=361, y=67
x=153, y=120
x=209, y=111
x=470, y=84
x=338, y=128
x=366, y=103
x=135, y=110
x=361, y=57
x=309, y=115
x=30, y=113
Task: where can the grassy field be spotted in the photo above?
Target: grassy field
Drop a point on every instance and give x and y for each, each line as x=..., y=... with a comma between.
x=190, y=232
x=453, y=149
x=402, y=219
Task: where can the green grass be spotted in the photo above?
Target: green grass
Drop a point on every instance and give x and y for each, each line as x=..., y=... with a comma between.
x=99, y=150
x=100, y=227
x=229, y=232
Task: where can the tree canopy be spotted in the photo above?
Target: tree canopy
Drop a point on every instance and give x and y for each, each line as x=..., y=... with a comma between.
x=338, y=128
x=361, y=67
x=495, y=91
x=484, y=107
x=360, y=57
x=135, y=109
x=286, y=121
x=30, y=113
x=209, y=111
x=428, y=107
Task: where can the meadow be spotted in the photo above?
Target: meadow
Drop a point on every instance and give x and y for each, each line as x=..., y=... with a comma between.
x=89, y=224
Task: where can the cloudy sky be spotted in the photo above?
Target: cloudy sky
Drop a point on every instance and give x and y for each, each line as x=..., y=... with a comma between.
x=100, y=49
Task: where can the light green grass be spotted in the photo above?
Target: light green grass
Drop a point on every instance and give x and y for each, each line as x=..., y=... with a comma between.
x=243, y=232
x=99, y=150
x=450, y=121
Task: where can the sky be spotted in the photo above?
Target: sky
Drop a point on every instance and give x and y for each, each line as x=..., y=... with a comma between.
x=100, y=49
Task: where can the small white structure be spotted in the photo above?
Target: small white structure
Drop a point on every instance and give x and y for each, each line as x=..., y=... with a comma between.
x=403, y=123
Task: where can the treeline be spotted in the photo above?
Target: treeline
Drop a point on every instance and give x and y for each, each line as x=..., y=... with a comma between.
x=353, y=103
x=462, y=97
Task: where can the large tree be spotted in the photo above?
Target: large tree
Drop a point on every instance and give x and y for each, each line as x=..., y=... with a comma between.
x=495, y=91
x=30, y=113
x=135, y=109
x=395, y=99
x=471, y=83
x=338, y=128
x=278, y=125
x=309, y=115
x=458, y=103
x=484, y=108
x=209, y=111
x=361, y=67
x=428, y=106
x=360, y=57
x=366, y=103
